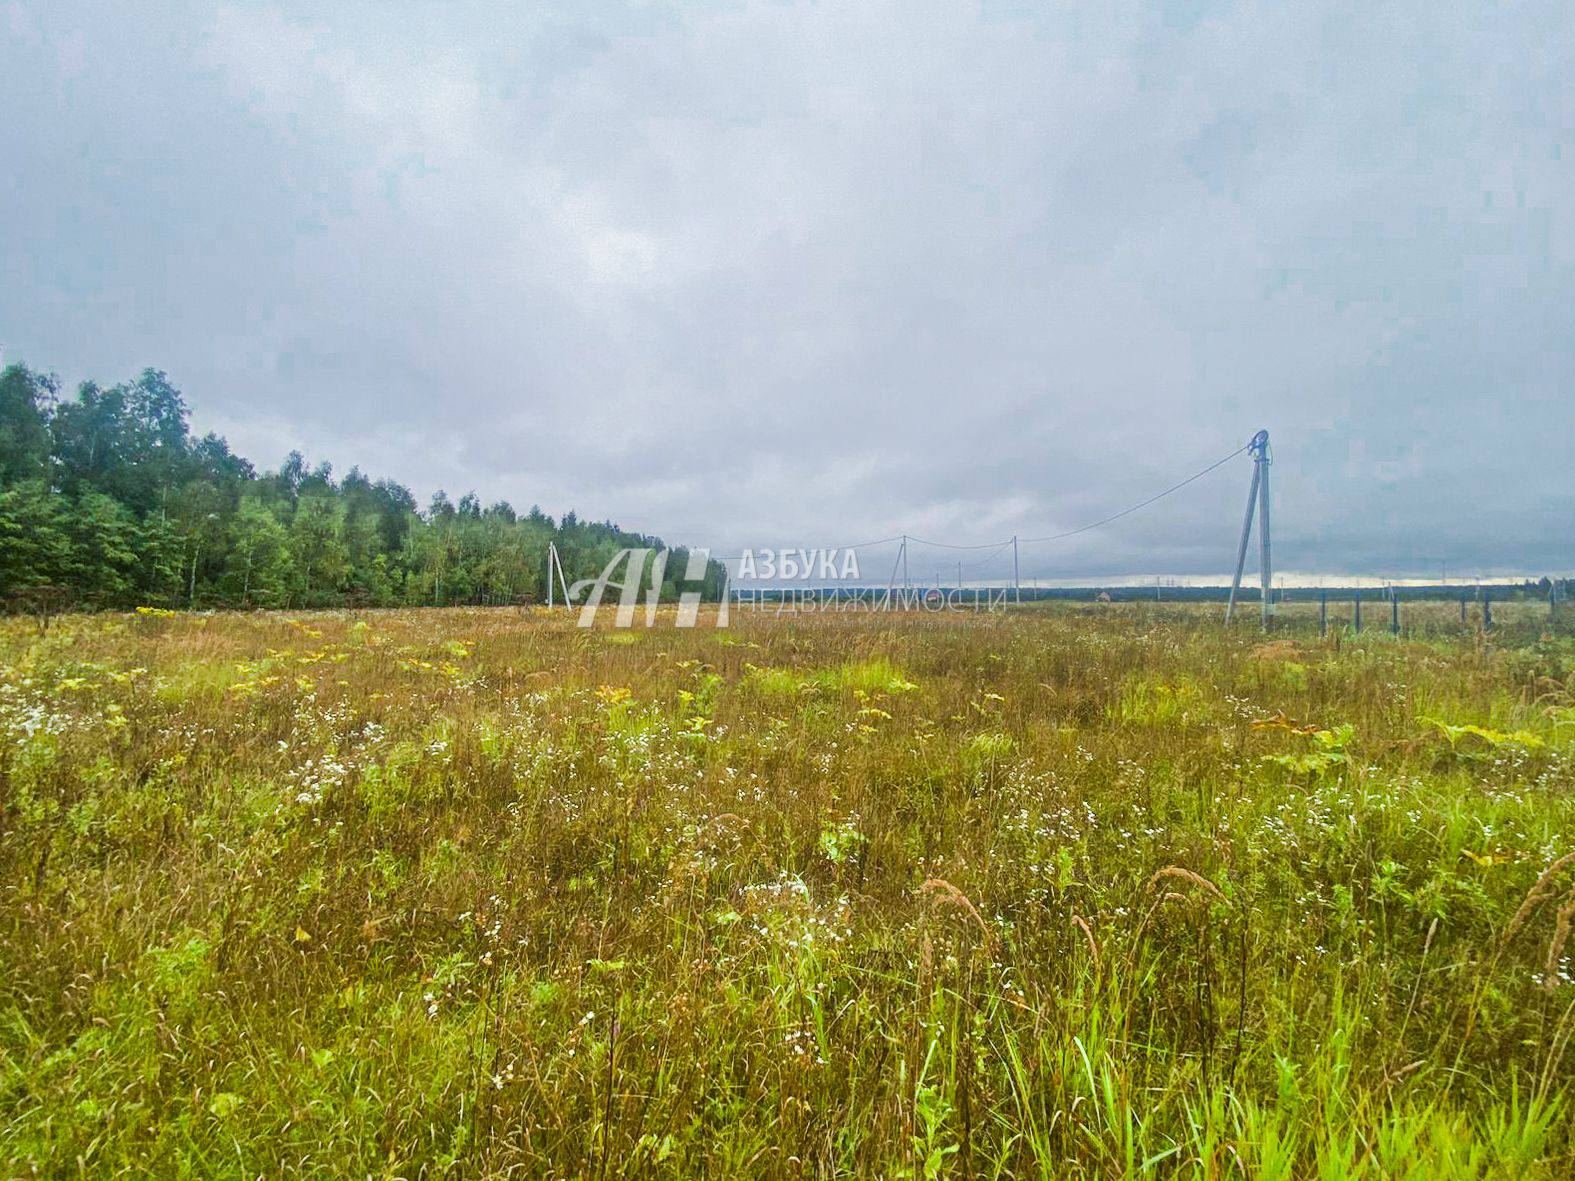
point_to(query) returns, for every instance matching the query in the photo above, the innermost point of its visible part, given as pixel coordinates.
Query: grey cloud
(781, 274)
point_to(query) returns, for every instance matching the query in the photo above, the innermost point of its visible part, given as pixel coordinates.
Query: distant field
(1082, 890)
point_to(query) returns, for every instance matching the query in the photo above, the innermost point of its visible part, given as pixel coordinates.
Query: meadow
(1072, 891)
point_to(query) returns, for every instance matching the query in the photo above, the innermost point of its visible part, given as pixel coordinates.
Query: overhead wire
(1142, 504)
(869, 544)
(990, 557)
(946, 545)
(998, 546)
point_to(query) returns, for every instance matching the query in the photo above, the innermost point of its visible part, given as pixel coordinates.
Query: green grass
(1070, 892)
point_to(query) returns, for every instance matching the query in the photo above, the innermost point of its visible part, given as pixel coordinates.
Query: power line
(945, 545)
(870, 544)
(990, 557)
(997, 546)
(1141, 504)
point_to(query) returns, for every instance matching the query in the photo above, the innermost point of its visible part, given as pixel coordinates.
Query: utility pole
(1257, 502)
(905, 562)
(554, 562)
(900, 561)
(1266, 567)
(1017, 582)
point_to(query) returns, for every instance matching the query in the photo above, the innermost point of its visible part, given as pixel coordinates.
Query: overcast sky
(780, 274)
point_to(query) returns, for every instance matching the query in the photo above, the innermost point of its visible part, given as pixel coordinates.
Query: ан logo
(634, 578)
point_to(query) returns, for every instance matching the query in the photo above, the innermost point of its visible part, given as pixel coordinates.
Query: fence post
(1487, 611)
(1394, 611)
(1356, 618)
(1462, 608)
(1323, 613)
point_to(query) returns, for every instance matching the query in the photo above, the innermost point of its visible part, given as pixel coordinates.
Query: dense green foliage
(108, 495)
(1060, 892)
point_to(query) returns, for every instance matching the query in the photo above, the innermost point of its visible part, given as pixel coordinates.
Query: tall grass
(1070, 892)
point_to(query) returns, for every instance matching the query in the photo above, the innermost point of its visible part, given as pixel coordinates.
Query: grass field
(1066, 892)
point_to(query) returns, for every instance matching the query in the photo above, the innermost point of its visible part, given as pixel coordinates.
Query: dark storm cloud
(785, 274)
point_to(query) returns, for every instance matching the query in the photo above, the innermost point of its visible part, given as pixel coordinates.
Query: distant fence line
(1475, 602)
(1554, 591)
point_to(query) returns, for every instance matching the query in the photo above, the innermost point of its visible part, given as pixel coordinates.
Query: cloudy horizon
(806, 275)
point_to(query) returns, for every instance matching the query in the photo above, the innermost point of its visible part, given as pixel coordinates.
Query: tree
(396, 510)
(257, 562)
(159, 561)
(105, 548)
(197, 512)
(128, 442)
(25, 399)
(322, 567)
(290, 476)
(369, 579)
(105, 496)
(35, 546)
(86, 433)
(213, 461)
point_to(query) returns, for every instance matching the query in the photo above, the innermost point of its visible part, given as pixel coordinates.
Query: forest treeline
(106, 495)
